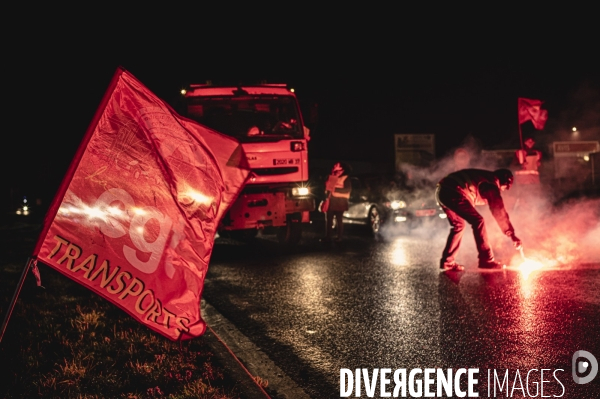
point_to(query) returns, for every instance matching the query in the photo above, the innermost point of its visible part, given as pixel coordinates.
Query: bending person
(457, 194)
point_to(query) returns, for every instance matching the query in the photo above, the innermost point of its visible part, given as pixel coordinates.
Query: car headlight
(396, 204)
(300, 191)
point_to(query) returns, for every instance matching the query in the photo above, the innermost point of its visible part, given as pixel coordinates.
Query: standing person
(527, 176)
(458, 193)
(529, 160)
(338, 188)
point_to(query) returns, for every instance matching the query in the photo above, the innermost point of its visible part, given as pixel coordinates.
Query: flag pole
(11, 306)
(521, 138)
(520, 131)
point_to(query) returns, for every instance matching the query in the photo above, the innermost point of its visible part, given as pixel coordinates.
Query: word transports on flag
(135, 217)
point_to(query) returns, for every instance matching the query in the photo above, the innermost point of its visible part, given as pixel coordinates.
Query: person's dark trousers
(459, 209)
(329, 224)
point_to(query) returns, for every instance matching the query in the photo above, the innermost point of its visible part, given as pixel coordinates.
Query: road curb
(245, 384)
(249, 360)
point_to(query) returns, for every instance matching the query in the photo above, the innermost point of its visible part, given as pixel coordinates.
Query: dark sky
(368, 83)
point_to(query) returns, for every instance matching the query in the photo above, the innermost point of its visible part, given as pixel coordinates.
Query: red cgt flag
(135, 217)
(531, 110)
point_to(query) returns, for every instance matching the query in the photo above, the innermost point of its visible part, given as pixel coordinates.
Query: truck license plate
(286, 161)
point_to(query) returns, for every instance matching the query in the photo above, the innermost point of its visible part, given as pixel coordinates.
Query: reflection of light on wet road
(309, 289)
(398, 253)
(307, 293)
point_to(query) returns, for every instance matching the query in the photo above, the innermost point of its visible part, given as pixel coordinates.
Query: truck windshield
(248, 118)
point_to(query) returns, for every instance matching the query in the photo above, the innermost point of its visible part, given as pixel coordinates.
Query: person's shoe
(451, 266)
(491, 264)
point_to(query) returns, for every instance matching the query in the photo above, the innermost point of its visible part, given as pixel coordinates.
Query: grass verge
(66, 342)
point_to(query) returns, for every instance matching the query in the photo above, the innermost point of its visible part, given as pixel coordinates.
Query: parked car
(424, 211)
(382, 205)
(374, 203)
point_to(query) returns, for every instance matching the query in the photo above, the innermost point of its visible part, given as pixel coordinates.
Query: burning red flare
(529, 265)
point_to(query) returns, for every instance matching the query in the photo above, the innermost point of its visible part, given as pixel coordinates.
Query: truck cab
(267, 121)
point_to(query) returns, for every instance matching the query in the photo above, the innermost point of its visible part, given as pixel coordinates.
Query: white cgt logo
(111, 225)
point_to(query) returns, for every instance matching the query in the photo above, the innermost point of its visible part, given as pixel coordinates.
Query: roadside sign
(574, 148)
(572, 160)
(414, 149)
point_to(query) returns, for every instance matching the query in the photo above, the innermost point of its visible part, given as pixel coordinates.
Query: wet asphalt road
(368, 303)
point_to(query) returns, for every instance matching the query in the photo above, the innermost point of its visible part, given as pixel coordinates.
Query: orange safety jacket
(335, 185)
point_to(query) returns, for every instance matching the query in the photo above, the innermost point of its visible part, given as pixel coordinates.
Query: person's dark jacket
(480, 187)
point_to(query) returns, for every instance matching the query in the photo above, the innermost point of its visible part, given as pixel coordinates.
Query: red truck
(267, 121)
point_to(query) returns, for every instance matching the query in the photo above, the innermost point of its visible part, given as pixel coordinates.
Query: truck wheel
(290, 234)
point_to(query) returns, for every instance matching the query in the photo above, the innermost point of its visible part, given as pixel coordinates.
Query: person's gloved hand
(516, 242)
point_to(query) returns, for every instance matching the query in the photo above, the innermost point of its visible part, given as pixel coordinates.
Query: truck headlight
(300, 191)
